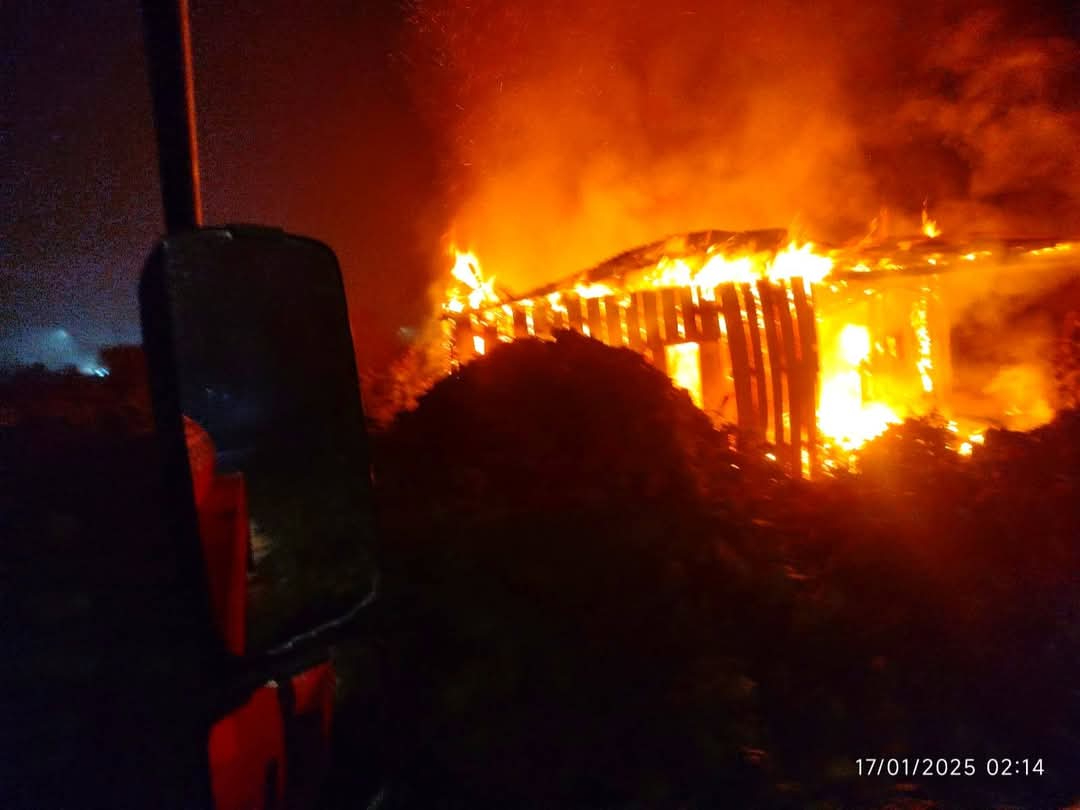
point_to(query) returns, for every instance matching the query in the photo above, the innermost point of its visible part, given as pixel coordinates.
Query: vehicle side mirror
(257, 397)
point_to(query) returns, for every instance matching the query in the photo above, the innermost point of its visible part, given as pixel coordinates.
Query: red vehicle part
(273, 751)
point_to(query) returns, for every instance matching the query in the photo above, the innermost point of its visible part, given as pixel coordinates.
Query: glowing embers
(845, 417)
(684, 368)
(965, 447)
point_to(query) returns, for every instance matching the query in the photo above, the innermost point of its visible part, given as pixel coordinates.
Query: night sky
(304, 123)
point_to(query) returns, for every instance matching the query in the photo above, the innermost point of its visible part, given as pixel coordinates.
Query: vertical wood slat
(654, 339)
(712, 375)
(804, 310)
(762, 410)
(612, 313)
(710, 321)
(521, 325)
(463, 338)
(574, 315)
(713, 386)
(767, 294)
(652, 319)
(690, 315)
(558, 318)
(542, 318)
(740, 366)
(794, 381)
(595, 318)
(671, 316)
(633, 322)
(491, 337)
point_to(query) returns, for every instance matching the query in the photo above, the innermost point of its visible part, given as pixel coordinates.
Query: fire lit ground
(811, 349)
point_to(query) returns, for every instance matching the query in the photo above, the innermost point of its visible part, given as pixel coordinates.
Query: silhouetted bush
(542, 425)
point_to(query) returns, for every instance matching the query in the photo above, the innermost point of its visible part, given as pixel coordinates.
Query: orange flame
(929, 227)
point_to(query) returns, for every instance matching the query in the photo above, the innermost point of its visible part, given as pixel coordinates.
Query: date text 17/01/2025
(949, 766)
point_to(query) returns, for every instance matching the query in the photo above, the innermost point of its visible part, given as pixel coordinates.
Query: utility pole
(172, 87)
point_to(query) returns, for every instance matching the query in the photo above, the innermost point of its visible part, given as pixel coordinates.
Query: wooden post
(558, 319)
(521, 325)
(633, 322)
(463, 338)
(710, 321)
(654, 339)
(612, 312)
(689, 315)
(491, 337)
(809, 370)
(542, 318)
(574, 315)
(794, 380)
(671, 316)
(762, 404)
(767, 292)
(740, 365)
(595, 318)
(712, 375)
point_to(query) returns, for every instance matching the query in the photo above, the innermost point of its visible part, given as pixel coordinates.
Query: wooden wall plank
(594, 318)
(671, 317)
(463, 338)
(713, 384)
(574, 315)
(767, 293)
(804, 311)
(709, 313)
(796, 396)
(690, 318)
(634, 322)
(542, 318)
(740, 364)
(521, 324)
(761, 407)
(613, 316)
(654, 338)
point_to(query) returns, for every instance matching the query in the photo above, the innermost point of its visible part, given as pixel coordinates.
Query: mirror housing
(247, 338)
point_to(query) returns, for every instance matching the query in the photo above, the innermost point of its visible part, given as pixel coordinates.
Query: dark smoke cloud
(576, 129)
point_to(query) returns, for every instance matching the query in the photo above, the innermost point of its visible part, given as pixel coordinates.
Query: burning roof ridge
(912, 255)
(672, 246)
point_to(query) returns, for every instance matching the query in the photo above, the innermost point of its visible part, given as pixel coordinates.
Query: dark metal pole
(172, 86)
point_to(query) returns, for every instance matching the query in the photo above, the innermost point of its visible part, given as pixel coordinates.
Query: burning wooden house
(811, 351)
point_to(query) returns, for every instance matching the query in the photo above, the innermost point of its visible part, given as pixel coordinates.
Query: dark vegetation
(98, 637)
(590, 600)
(588, 605)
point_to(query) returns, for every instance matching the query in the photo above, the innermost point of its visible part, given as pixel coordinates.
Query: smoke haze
(576, 130)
